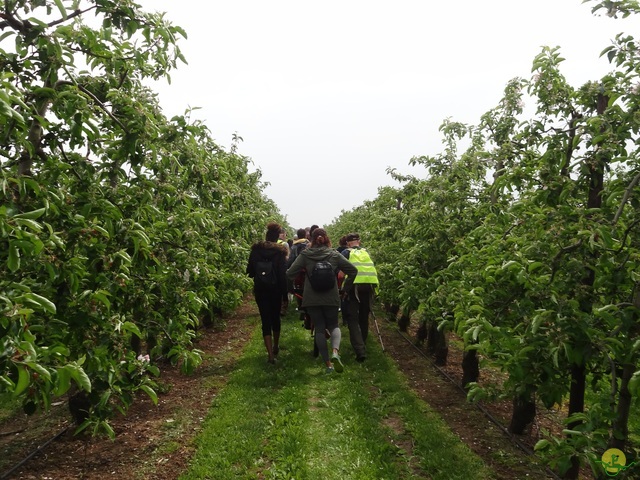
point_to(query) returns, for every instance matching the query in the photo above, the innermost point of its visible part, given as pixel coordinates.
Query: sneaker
(329, 370)
(337, 363)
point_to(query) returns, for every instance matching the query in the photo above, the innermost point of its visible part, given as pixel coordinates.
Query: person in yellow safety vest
(360, 298)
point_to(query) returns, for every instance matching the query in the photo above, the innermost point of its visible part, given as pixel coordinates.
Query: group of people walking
(278, 270)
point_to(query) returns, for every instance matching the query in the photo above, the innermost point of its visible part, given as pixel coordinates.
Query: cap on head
(353, 236)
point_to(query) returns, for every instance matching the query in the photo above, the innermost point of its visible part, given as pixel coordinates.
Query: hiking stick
(375, 322)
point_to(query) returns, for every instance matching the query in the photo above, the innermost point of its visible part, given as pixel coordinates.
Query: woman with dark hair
(322, 306)
(267, 266)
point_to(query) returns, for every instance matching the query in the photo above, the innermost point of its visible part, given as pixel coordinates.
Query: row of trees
(121, 231)
(523, 238)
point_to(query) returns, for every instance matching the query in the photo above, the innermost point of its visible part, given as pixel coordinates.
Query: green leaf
(27, 222)
(131, 328)
(13, 262)
(104, 398)
(32, 215)
(108, 429)
(40, 369)
(23, 380)
(101, 295)
(541, 445)
(63, 381)
(101, 230)
(81, 378)
(42, 302)
(476, 333)
(535, 325)
(151, 392)
(534, 266)
(63, 11)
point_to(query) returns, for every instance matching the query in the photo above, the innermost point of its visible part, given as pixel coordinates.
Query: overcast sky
(328, 95)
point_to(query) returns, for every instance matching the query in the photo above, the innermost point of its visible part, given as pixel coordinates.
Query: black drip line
(8, 473)
(480, 407)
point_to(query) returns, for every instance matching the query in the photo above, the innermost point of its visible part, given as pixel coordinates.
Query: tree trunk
(79, 405)
(596, 167)
(620, 433)
(523, 414)
(470, 368)
(405, 320)
(392, 311)
(430, 338)
(135, 344)
(437, 344)
(576, 405)
(620, 426)
(422, 334)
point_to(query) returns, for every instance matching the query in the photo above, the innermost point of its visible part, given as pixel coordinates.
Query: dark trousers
(359, 306)
(269, 307)
(344, 309)
(325, 318)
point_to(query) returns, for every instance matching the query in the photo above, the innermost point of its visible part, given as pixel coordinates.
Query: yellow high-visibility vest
(366, 269)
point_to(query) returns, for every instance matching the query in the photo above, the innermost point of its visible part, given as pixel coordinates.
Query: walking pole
(377, 328)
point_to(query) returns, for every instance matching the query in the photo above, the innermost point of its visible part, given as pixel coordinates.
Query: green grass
(9, 405)
(292, 421)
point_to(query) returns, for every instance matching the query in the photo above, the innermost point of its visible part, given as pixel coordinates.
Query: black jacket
(277, 254)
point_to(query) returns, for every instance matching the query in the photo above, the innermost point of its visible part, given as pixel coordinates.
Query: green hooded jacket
(306, 260)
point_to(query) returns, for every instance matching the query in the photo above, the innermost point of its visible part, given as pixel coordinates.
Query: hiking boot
(337, 363)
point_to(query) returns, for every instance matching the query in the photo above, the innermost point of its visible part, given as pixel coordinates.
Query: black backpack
(265, 273)
(296, 250)
(322, 278)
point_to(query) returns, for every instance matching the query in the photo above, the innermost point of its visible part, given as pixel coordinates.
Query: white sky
(328, 95)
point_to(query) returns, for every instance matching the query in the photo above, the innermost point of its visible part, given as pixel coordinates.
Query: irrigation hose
(7, 474)
(494, 420)
(480, 407)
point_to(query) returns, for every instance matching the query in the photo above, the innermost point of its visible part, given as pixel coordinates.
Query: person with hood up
(323, 306)
(267, 266)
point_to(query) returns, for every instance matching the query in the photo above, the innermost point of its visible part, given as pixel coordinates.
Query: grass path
(293, 421)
